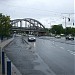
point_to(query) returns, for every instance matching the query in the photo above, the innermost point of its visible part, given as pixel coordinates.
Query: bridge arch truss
(27, 25)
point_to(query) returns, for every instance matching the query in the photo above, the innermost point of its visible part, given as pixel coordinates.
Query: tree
(57, 29)
(5, 26)
(73, 31)
(70, 30)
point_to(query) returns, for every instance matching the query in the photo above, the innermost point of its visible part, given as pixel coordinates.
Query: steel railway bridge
(28, 26)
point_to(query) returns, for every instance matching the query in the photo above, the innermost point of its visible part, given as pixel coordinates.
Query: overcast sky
(46, 11)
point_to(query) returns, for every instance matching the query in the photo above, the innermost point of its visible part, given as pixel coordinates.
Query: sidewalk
(14, 70)
(3, 44)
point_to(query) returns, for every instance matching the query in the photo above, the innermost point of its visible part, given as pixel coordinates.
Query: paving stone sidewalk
(14, 70)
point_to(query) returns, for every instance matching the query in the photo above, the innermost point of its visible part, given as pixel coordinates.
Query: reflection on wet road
(60, 57)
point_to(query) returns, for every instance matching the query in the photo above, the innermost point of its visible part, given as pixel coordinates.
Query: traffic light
(73, 23)
(69, 19)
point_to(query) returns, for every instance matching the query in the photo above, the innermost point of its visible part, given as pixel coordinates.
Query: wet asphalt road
(24, 56)
(58, 54)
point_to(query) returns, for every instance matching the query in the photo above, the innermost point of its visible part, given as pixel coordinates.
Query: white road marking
(68, 50)
(73, 53)
(53, 43)
(56, 45)
(62, 47)
(51, 46)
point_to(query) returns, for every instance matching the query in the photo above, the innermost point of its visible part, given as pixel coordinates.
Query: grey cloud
(38, 9)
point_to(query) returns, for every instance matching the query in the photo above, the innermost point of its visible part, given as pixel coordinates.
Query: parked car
(31, 38)
(69, 38)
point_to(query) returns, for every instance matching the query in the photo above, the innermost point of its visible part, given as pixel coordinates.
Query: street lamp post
(65, 27)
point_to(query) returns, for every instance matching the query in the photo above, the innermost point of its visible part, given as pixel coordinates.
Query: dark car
(31, 38)
(69, 38)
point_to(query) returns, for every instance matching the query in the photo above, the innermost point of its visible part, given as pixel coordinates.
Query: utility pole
(65, 26)
(65, 21)
(68, 19)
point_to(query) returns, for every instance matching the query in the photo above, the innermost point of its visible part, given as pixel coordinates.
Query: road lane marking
(62, 47)
(53, 43)
(74, 52)
(51, 46)
(68, 50)
(56, 45)
(71, 52)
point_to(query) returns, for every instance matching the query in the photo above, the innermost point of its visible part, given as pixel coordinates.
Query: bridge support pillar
(20, 23)
(25, 24)
(17, 24)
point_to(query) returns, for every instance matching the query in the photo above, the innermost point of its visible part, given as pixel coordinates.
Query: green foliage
(57, 29)
(5, 26)
(70, 30)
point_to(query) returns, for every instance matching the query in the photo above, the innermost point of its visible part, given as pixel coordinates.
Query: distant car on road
(31, 38)
(69, 38)
(57, 36)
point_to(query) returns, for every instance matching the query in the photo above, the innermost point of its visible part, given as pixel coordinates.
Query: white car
(31, 38)
(57, 36)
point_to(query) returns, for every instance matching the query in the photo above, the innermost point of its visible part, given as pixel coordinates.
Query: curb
(14, 70)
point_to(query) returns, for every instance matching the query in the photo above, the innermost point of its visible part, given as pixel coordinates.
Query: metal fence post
(8, 67)
(3, 63)
(0, 55)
